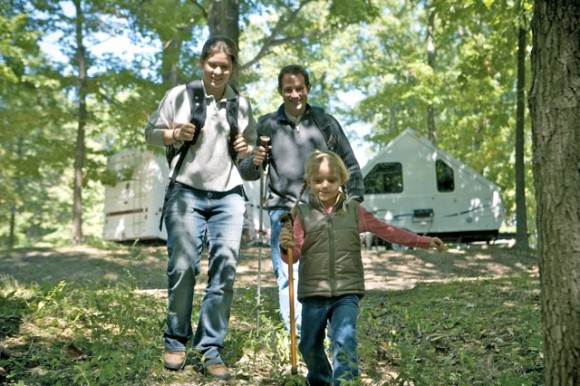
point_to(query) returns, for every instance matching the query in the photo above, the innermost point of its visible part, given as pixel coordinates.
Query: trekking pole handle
(266, 143)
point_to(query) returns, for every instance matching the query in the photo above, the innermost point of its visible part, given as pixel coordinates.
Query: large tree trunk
(555, 111)
(77, 228)
(224, 18)
(521, 216)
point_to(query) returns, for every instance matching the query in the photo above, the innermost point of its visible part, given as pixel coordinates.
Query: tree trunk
(555, 112)
(18, 184)
(224, 18)
(431, 55)
(77, 231)
(12, 226)
(170, 69)
(521, 216)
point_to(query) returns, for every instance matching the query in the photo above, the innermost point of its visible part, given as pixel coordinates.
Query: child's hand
(438, 244)
(287, 234)
(286, 238)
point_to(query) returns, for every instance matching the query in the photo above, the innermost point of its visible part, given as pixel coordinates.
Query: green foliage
(102, 335)
(367, 60)
(17, 47)
(352, 12)
(470, 85)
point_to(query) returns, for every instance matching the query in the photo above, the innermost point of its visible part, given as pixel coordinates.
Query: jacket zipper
(331, 255)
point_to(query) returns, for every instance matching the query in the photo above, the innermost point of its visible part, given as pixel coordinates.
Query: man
(296, 129)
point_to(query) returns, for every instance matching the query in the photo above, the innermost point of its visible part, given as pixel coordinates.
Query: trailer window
(445, 179)
(384, 178)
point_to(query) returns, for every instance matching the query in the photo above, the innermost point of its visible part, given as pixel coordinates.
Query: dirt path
(390, 270)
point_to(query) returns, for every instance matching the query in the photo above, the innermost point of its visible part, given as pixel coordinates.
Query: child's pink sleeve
(367, 222)
(298, 238)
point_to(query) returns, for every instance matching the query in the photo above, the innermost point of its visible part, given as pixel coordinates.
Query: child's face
(325, 184)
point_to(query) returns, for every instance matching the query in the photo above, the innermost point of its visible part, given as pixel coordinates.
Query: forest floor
(386, 271)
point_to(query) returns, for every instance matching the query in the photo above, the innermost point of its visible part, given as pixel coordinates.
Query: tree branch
(266, 48)
(273, 41)
(201, 9)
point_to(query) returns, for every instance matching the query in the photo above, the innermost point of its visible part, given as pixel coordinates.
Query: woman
(205, 207)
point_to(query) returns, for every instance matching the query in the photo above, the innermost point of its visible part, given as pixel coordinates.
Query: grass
(484, 332)
(464, 332)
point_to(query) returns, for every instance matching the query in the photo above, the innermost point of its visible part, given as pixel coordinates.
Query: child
(325, 237)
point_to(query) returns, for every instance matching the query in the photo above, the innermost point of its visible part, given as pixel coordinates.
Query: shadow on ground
(146, 264)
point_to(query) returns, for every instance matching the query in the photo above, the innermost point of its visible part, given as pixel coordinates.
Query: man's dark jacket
(291, 146)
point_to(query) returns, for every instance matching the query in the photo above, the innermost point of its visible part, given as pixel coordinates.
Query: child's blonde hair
(312, 165)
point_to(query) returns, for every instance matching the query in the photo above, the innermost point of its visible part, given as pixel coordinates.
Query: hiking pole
(265, 142)
(293, 370)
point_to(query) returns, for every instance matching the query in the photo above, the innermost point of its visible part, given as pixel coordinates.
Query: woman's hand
(183, 132)
(241, 147)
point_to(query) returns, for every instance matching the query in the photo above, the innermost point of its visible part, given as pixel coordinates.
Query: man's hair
(294, 69)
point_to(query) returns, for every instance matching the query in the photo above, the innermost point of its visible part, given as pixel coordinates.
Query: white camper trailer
(133, 205)
(416, 186)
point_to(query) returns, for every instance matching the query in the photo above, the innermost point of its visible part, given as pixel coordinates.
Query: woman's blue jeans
(193, 219)
(281, 272)
(341, 314)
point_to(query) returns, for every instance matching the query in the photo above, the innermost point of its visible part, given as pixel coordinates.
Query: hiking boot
(174, 360)
(218, 370)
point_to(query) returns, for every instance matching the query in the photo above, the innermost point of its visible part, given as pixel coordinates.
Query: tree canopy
(446, 69)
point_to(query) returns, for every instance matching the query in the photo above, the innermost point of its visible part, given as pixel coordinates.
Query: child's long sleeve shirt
(367, 223)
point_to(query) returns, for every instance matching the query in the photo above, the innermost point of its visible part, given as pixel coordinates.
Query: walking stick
(265, 142)
(260, 230)
(294, 370)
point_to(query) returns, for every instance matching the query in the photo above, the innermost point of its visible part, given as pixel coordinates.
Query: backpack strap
(194, 90)
(232, 118)
(196, 96)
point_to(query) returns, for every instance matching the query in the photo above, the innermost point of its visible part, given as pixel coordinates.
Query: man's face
(295, 94)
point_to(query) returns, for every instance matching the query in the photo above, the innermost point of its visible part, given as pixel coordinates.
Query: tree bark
(224, 19)
(555, 112)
